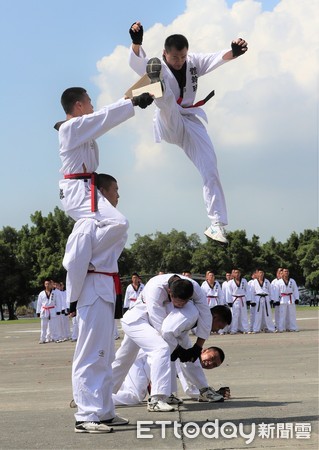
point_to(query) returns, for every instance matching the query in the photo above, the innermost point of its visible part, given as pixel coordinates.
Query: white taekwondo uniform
(142, 326)
(237, 296)
(276, 295)
(100, 248)
(180, 124)
(289, 293)
(131, 295)
(214, 294)
(48, 306)
(261, 294)
(79, 154)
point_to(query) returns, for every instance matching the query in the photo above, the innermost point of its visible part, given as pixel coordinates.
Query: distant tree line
(35, 252)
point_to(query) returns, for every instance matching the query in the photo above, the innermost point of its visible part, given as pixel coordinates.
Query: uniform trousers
(92, 362)
(239, 317)
(49, 329)
(140, 334)
(175, 330)
(188, 132)
(263, 315)
(134, 388)
(287, 318)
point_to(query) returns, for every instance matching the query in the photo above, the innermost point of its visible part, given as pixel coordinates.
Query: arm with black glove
(136, 32)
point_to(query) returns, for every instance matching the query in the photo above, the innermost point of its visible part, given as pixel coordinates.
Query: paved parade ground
(273, 380)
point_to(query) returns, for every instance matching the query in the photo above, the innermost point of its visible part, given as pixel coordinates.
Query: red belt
(116, 279)
(287, 295)
(84, 176)
(48, 307)
(200, 103)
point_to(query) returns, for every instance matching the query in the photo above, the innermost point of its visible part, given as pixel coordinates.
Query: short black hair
(177, 41)
(220, 352)
(223, 312)
(104, 180)
(181, 288)
(70, 96)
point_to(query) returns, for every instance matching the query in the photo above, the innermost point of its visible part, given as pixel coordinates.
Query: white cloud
(262, 119)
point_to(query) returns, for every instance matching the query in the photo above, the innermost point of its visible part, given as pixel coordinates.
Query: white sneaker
(209, 395)
(159, 406)
(216, 232)
(173, 400)
(92, 427)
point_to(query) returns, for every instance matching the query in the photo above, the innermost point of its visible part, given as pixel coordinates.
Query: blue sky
(262, 121)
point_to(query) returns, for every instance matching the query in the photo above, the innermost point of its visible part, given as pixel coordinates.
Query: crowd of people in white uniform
(271, 305)
(53, 309)
(257, 305)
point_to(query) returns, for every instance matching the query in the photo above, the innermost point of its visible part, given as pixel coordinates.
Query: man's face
(217, 323)
(285, 274)
(210, 359)
(178, 302)
(86, 104)
(210, 278)
(236, 274)
(176, 58)
(111, 194)
(47, 285)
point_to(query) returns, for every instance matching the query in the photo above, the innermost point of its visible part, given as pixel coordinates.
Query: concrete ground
(273, 380)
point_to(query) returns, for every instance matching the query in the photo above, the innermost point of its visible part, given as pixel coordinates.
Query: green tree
(12, 273)
(308, 257)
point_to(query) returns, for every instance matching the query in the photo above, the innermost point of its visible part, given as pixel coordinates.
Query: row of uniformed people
(260, 295)
(53, 310)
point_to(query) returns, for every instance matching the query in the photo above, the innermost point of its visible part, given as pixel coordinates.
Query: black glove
(177, 353)
(136, 36)
(143, 100)
(277, 303)
(73, 307)
(38, 314)
(252, 304)
(238, 49)
(296, 302)
(58, 313)
(191, 354)
(230, 305)
(224, 391)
